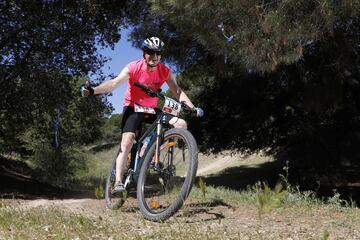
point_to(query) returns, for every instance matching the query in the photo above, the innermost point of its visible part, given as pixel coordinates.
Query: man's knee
(178, 122)
(127, 141)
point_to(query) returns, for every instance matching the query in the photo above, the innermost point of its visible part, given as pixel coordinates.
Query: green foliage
(83, 117)
(92, 222)
(326, 235)
(290, 76)
(285, 178)
(47, 50)
(269, 199)
(55, 166)
(336, 200)
(99, 192)
(80, 122)
(111, 130)
(49, 223)
(43, 46)
(202, 186)
(265, 34)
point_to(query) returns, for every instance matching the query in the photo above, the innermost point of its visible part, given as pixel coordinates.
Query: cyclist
(150, 72)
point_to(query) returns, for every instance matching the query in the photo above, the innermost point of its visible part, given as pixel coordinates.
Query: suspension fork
(170, 155)
(159, 130)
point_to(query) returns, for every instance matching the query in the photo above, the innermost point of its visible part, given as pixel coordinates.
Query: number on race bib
(171, 106)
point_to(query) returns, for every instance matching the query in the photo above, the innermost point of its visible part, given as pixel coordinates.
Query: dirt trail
(210, 164)
(207, 165)
(235, 222)
(240, 222)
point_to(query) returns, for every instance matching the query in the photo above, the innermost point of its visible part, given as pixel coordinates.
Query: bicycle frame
(155, 132)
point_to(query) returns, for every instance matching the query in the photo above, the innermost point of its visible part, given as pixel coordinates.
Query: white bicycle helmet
(153, 43)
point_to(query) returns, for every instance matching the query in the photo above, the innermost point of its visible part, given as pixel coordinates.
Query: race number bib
(171, 106)
(139, 108)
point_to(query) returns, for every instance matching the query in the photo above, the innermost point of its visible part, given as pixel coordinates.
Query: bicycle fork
(158, 141)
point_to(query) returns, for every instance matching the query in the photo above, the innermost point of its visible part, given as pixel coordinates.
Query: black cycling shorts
(132, 120)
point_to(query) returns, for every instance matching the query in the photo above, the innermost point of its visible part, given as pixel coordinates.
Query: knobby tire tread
(177, 204)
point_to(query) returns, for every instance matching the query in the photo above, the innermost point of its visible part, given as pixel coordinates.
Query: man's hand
(199, 112)
(86, 89)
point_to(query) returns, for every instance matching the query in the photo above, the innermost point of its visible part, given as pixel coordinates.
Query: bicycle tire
(113, 201)
(177, 203)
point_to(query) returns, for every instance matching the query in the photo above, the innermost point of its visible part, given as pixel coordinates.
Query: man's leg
(129, 125)
(127, 142)
(178, 122)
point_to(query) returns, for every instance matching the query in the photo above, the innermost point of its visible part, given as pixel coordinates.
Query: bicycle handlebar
(153, 93)
(149, 91)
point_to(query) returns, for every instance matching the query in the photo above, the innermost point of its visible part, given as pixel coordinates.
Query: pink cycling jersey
(154, 80)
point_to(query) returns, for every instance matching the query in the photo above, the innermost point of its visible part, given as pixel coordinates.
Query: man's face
(152, 58)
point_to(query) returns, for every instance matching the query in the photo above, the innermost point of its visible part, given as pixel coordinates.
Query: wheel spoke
(163, 192)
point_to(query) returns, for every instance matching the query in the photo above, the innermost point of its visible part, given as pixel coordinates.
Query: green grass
(54, 223)
(259, 194)
(50, 223)
(209, 213)
(194, 221)
(97, 164)
(95, 172)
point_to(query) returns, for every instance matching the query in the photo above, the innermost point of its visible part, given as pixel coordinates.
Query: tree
(111, 130)
(43, 46)
(53, 141)
(270, 74)
(47, 50)
(259, 35)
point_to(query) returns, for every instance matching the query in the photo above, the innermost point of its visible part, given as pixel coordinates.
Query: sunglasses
(152, 52)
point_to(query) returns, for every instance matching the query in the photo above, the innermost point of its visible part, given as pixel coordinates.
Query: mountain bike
(165, 172)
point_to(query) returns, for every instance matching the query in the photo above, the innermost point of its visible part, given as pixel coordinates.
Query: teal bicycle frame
(155, 133)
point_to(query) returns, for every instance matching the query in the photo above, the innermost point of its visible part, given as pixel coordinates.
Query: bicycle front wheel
(116, 200)
(162, 191)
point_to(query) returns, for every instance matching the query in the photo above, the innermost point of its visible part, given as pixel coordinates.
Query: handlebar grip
(187, 108)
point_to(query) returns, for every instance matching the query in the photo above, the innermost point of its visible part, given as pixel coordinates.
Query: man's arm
(110, 85)
(177, 91)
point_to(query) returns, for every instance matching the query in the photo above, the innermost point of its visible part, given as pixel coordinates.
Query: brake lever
(183, 103)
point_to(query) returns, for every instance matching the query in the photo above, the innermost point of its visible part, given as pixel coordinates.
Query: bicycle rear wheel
(113, 201)
(162, 193)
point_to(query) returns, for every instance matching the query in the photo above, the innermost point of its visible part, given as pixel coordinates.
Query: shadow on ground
(238, 178)
(15, 182)
(344, 180)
